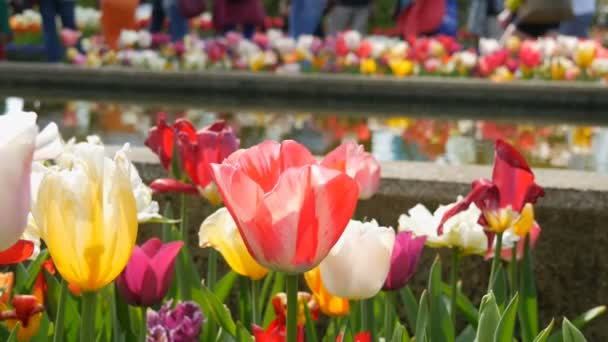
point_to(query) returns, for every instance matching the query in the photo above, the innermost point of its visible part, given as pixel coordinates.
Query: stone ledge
(324, 93)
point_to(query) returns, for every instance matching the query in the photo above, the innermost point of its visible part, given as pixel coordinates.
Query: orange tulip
(330, 305)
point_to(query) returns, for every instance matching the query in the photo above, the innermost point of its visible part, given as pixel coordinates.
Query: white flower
(600, 66)
(467, 59)
(304, 43)
(566, 45)
(399, 49)
(127, 38)
(352, 39)
(488, 46)
(284, 45)
(357, 265)
(144, 39)
(461, 230)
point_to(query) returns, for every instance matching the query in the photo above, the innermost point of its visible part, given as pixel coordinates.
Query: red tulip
(148, 275)
(505, 200)
(352, 159)
(404, 260)
(196, 149)
(276, 331)
(290, 210)
(506, 253)
(17, 253)
(360, 337)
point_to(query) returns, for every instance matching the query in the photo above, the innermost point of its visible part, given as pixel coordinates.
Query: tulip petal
(404, 260)
(17, 253)
(484, 195)
(330, 305)
(513, 177)
(151, 247)
(164, 266)
(160, 140)
(48, 143)
(166, 185)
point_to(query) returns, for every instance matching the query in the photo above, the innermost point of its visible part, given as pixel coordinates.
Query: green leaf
(279, 286)
(346, 331)
(506, 325)
(423, 316)
(224, 286)
(311, 331)
(544, 335)
(410, 305)
(400, 334)
(489, 316)
(21, 277)
(242, 334)
(213, 308)
(162, 220)
(244, 301)
(441, 327)
(464, 305)
(34, 269)
(13, 336)
(72, 305)
(121, 317)
(571, 333)
(581, 321)
(467, 335)
(265, 289)
(500, 287)
(528, 308)
(43, 333)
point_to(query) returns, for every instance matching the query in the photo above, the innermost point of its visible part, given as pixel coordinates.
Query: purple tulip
(148, 275)
(404, 260)
(181, 324)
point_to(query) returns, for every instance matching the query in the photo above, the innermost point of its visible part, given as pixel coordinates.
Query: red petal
(513, 177)
(363, 337)
(25, 307)
(160, 140)
(164, 185)
(484, 195)
(17, 253)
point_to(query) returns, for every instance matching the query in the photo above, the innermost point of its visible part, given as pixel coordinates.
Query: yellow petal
(220, 232)
(330, 305)
(526, 219)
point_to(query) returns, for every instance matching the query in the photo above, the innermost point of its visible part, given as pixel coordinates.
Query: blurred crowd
(499, 19)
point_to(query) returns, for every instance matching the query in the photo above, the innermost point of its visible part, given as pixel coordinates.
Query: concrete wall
(571, 256)
(348, 94)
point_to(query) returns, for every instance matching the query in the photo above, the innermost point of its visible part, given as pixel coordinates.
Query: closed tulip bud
(219, 231)
(358, 264)
(404, 260)
(352, 159)
(148, 275)
(87, 216)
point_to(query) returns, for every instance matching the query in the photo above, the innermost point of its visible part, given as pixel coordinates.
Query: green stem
(254, 300)
(513, 270)
(388, 317)
(211, 268)
(143, 324)
(292, 307)
(454, 279)
(367, 317)
(87, 325)
(496, 259)
(183, 223)
(59, 325)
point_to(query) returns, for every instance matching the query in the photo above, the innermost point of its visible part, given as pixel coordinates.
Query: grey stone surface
(323, 93)
(571, 257)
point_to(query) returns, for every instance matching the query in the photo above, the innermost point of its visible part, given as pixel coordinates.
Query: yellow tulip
(220, 232)
(368, 66)
(585, 53)
(87, 216)
(401, 68)
(330, 305)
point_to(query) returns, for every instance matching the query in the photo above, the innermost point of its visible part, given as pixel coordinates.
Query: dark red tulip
(148, 275)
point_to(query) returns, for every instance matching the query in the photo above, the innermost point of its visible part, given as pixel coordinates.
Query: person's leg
(66, 11)
(158, 16)
(577, 26)
(177, 23)
(360, 19)
(338, 20)
(48, 11)
(304, 16)
(248, 31)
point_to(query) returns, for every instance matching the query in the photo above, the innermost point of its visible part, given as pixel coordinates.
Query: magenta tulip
(404, 260)
(148, 275)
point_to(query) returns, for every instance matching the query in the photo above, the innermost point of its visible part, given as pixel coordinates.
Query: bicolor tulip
(220, 232)
(352, 159)
(27, 311)
(511, 241)
(87, 216)
(506, 200)
(330, 305)
(196, 151)
(180, 324)
(460, 231)
(358, 264)
(290, 211)
(17, 144)
(404, 260)
(148, 275)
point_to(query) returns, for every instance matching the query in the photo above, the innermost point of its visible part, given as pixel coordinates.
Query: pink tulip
(148, 275)
(290, 210)
(404, 260)
(69, 37)
(352, 159)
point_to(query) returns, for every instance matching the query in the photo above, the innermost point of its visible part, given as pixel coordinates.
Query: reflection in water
(398, 138)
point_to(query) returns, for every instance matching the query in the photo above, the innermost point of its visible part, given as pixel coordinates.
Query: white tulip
(460, 231)
(358, 264)
(17, 144)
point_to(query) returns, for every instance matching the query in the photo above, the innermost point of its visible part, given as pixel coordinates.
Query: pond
(445, 140)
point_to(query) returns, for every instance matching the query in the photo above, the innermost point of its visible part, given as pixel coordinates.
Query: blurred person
(420, 17)
(534, 18)
(178, 24)
(349, 14)
(49, 9)
(117, 15)
(5, 29)
(584, 12)
(231, 15)
(305, 16)
(449, 24)
(482, 20)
